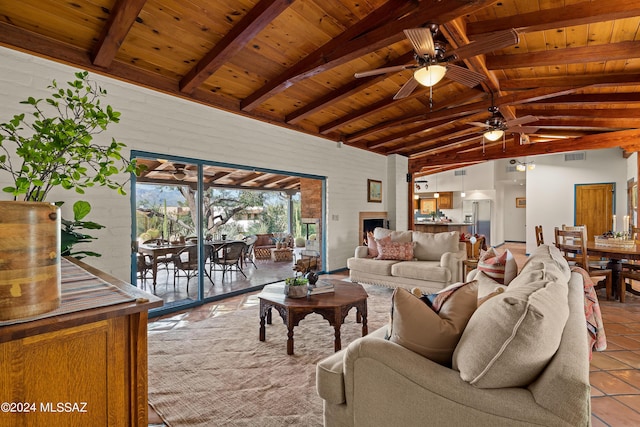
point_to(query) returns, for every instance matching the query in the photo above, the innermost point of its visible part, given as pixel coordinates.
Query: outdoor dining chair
(185, 264)
(229, 256)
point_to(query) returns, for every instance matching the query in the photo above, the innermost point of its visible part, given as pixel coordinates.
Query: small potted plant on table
(296, 287)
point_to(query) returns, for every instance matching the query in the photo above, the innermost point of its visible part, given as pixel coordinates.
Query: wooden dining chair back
(185, 264)
(573, 247)
(539, 236)
(635, 233)
(229, 256)
(475, 248)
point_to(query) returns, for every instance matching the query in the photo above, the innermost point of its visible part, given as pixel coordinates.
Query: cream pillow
(512, 336)
(416, 326)
(431, 246)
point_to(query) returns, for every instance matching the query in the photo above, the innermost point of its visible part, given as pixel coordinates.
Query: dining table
(157, 250)
(615, 254)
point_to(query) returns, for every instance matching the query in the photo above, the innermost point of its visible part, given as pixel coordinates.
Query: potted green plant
(296, 287)
(51, 147)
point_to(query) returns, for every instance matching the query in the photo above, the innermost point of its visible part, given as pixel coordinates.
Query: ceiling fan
(179, 171)
(433, 62)
(496, 125)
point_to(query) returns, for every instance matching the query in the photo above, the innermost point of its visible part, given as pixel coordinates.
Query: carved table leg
(337, 323)
(290, 340)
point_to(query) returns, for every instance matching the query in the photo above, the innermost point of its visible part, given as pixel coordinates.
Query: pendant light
(436, 194)
(462, 174)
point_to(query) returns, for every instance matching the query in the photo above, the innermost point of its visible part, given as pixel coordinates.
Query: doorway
(594, 208)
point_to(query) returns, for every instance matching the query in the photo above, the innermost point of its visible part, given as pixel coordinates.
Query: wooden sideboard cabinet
(82, 368)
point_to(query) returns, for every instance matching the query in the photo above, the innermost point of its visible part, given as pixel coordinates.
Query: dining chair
(249, 256)
(594, 263)
(186, 262)
(163, 260)
(229, 256)
(539, 236)
(143, 266)
(573, 246)
(630, 269)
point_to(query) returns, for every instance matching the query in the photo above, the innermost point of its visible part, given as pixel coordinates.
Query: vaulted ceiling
(570, 76)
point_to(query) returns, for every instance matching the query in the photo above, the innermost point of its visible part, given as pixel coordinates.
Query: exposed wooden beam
(336, 95)
(580, 112)
(597, 80)
(321, 59)
(259, 17)
(589, 142)
(467, 96)
(586, 12)
(383, 104)
(593, 98)
(121, 17)
(356, 41)
(572, 55)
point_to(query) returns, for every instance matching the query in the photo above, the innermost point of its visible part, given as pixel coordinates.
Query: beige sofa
(437, 263)
(375, 382)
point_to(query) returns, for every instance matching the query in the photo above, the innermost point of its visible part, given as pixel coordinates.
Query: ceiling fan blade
(486, 44)
(406, 89)
(479, 124)
(383, 71)
(522, 129)
(521, 121)
(464, 76)
(421, 40)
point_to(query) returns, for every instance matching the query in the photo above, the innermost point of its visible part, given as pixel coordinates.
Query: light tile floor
(614, 376)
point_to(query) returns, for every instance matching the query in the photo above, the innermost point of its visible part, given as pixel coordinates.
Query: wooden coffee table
(333, 306)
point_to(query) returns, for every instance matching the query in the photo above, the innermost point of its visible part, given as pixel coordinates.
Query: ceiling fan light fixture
(493, 134)
(429, 75)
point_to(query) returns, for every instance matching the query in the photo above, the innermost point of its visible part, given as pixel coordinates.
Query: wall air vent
(511, 168)
(570, 157)
(460, 172)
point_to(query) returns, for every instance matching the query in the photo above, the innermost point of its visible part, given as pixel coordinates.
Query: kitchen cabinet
(446, 200)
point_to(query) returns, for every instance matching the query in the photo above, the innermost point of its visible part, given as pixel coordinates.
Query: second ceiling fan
(433, 62)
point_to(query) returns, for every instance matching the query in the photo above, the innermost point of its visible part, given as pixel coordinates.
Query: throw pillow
(416, 326)
(513, 336)
(372, 245)
(431, 246)
(395, 251)
(500, 267)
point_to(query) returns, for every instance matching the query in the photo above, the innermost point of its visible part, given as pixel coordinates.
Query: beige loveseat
(437, 263)
(375, 382)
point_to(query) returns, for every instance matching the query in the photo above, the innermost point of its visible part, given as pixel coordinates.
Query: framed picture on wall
(521, 202)
(374, 191)
(427, 206)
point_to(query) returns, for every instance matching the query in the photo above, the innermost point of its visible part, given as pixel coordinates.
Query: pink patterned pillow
(372, 243)
(396, 251)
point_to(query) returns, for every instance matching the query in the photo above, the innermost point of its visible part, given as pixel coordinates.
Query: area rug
(217, 373)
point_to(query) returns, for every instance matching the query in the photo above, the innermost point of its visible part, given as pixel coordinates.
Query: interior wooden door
(594, 207)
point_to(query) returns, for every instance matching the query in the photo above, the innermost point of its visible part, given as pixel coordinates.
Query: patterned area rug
(217, 373)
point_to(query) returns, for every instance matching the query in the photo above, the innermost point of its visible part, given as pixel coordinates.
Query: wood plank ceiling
(575, 68)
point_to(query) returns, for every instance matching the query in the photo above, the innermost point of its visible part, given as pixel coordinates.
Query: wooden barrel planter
(29, 259)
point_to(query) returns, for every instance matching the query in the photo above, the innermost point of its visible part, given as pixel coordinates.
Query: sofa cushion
(500, 267)
(512, 336)
(416, 326)
(486, 284)
(372, 244)
(396, 236)
(421, 270)
(395, 250)
(431, 246)
(372, 266)
(550, 257)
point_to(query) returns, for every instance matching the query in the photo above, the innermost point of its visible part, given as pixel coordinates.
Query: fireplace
(369, 221)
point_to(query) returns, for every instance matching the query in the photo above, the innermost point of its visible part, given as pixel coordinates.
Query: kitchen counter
(439, 227)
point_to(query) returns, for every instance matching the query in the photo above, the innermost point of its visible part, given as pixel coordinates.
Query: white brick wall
(159, 123)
